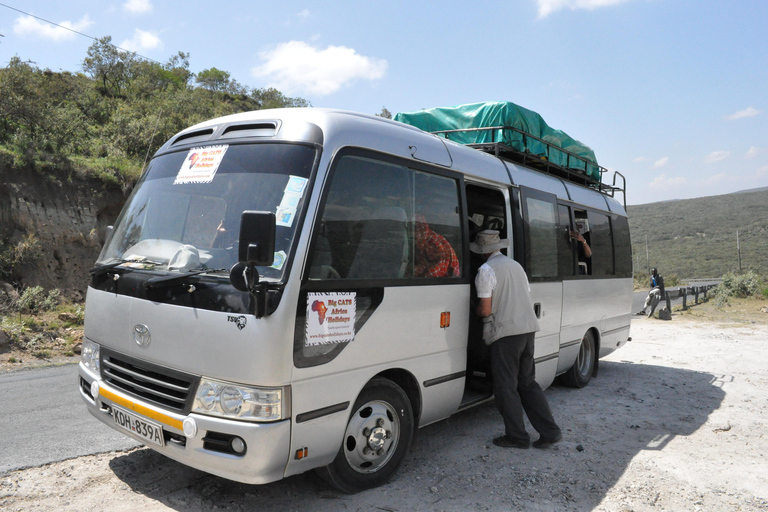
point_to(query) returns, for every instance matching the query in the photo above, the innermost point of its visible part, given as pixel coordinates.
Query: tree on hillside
(272, 98)
(112, 68)
(386, 114)
(216, 80)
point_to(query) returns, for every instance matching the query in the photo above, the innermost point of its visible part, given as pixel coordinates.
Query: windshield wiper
(102, 269)
(157, 282)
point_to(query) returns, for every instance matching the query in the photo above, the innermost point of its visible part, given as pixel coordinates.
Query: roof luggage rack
(543, 163)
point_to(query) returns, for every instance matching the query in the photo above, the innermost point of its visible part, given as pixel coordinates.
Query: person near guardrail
(655, 294)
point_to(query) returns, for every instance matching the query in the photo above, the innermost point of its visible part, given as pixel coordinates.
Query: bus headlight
(217, 398)
(89, 356)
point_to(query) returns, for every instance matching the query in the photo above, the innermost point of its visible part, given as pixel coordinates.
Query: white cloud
(661, 162)
(138, 6)
(763, 171)
(303, 14)
(747, 112)
(639, 159)
(27, 25)
(717, 156)
(665, 183)
(547, 7)
(298, 68)
(752, 152)
(142, 40)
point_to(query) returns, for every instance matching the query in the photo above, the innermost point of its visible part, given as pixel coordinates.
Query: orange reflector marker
(301, 453)
(445, 319)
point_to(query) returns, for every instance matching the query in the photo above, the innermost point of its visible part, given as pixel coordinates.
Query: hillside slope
(696, 238)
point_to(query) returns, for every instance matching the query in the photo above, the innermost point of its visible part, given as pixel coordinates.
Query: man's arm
(484, 307)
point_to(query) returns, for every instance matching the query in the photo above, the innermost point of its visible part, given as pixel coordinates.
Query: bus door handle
(537, 309)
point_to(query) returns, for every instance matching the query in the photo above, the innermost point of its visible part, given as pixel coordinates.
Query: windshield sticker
(279, 260)
(200, 165)
(284, 216)
(294, 191)
(330, 318)
(296, 185)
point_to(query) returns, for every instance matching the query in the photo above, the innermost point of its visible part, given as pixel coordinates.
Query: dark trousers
(516, 389)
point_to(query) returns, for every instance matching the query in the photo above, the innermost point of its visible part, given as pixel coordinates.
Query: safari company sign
(330, 318)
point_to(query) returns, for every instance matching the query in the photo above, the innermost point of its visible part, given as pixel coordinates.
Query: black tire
(581, 372)
(376, 440)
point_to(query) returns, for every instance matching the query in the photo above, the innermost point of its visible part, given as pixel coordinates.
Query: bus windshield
(184, 213)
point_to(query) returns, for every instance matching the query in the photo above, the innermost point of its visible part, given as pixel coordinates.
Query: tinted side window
(541, 223)
(601, 243)
(623, 246)
(566, 260)
(385, 221)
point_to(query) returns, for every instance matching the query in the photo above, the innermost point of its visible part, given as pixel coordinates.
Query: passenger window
(542, 237)
(583, 249)
(602, 244)
(566, 248)
(437, 230)
(386, 221)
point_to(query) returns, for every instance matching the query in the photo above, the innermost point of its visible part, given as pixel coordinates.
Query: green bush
(27, 250)
(14, 330)
(741, 285)
(35, 299)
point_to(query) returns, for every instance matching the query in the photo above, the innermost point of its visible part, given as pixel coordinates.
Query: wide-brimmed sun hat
(488, 241)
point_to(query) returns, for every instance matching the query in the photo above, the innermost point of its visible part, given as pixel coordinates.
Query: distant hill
(696, 238)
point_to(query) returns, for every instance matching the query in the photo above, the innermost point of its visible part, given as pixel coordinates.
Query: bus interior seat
(383, 248)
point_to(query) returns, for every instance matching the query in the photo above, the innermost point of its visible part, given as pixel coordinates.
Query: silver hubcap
(371, 437)
(584, 359)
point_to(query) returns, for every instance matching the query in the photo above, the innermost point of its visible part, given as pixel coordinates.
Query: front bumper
(267, 444)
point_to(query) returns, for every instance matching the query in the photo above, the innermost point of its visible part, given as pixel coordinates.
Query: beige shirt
(505, 282)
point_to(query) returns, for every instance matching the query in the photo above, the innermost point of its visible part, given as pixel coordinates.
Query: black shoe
(506, 442)
(640, 313)
(546, 442)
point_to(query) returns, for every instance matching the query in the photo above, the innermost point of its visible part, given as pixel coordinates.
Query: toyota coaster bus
(276, 297)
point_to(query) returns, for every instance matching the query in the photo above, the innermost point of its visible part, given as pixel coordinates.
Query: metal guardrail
(686, 291)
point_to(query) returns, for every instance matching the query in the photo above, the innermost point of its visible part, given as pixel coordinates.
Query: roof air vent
(198, 136)
(268, 129)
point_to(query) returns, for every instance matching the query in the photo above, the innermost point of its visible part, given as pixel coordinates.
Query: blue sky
(671, 93)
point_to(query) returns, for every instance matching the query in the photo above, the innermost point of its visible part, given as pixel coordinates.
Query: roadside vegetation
(105, 120)
(39, 328)
(697, 238)
(740, 299)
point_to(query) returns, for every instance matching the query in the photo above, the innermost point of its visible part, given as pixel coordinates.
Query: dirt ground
(675, 421)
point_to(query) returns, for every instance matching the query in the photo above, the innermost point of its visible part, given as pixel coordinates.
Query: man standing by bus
(509, 327)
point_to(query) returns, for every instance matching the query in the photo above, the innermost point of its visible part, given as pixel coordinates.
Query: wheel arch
(409, 385)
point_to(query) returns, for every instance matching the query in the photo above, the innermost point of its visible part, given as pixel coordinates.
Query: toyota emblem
(141, 335)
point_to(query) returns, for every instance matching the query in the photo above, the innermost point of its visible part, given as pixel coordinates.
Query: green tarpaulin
(505, 113)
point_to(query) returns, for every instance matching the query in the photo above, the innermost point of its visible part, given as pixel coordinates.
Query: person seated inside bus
(584, 250)
(434, 256)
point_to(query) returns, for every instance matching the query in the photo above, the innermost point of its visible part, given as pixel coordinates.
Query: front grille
(162, 386)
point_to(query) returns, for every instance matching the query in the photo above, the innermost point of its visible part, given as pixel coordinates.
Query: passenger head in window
(583, 248)
(434, 256)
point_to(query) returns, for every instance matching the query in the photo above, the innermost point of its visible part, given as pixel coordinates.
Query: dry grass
(749, 311)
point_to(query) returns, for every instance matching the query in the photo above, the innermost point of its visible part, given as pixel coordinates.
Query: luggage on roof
(514, 124)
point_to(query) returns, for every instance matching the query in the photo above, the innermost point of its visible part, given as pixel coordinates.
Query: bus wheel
(377, 437)
(580, 373)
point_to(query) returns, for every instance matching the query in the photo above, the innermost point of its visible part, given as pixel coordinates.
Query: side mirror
(256, 248)
(257, 238)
